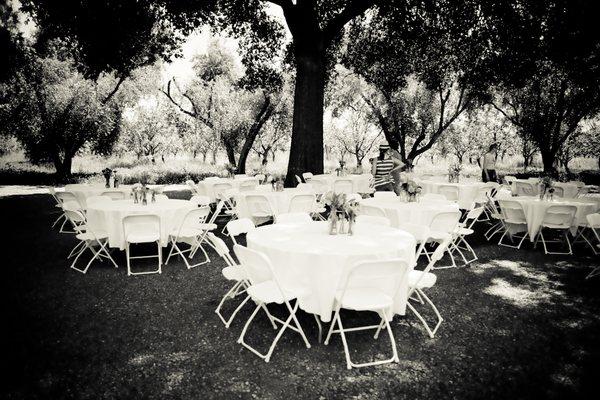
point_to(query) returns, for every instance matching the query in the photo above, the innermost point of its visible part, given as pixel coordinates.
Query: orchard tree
(55, 112)
(583, 143)
(546, 67)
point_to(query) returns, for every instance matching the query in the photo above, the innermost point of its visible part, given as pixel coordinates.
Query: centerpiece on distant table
(454, 172)
(546, 184)
(341, 171)
(342, 213)
(277, 182)
(107, 172)
(230, 168)
(412, 189)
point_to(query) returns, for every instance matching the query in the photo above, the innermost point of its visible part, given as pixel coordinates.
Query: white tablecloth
(308, 259)
(535, 209)
(280, 201)
(83, 191)
(467, 191)
(360, 183)
(570, 189)
(208, 185)
(108, 217)
(416, 213)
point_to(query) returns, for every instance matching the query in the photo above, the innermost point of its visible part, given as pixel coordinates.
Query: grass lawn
(518, 324)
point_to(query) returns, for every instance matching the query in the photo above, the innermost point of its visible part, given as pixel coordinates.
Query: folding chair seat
(557, 218)
(114, 194)
(143, 228)
(265, 289)
(192, 231)
(369, 286)
(239, 227)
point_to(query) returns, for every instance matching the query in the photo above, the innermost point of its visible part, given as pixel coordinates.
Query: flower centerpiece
(136, 192)
(230, 168)
(116, 179)
(546, 184)
(107, 172)
(341, 210)
(411, 188)
(454, 172)
(341, 171)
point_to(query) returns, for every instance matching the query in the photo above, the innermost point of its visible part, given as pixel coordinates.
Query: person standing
(383, 168)
(488, 165)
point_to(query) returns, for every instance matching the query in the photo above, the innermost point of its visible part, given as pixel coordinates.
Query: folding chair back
(372, 210)
(192, 186)
(200, 201)
(220, 189)
(258, 205)
(307, 176)
(222, 250)
(260, 178)
(426, 177)
(559, 216)
(140, 225)
(559, 191)
(449, 192)
(257, 266)
(114, 194)
(524, 189)
(194, 218)
(472, 217)
(319, 186)
(298, 179)
(248, 186)
(594, 223)
(294, 218)
(385, 195)
(67, 197)
(353, 197)
(77, 219)
(364, 184)
(420, 232)
(445, 221)
(305, 202)
(343, 186)
(97, 200)
(509, 179)
(239, 226)
(373, 220)
(381, 276)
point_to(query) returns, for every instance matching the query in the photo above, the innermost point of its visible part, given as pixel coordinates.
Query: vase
(542, 194)
(153, 199)
(333, 220)
(107, 178)
(341, 228)
(136, 199)
(144, 198)
(412, 198)
(116, 183)
(351, 222)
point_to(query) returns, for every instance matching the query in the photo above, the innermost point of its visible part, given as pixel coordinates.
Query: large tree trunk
(63, 168)
(229, 149)
(306, 150)
(548, 158)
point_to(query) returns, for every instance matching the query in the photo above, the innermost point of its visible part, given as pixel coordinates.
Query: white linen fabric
(535, 209)
(82, 191)
(312, 263)
(570, 188)
(209, 183)
(416, 213)
(467, 191)
(359, 182)
(280, 201)
(108, 217)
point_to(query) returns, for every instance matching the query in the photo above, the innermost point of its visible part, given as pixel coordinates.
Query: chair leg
(238, 308)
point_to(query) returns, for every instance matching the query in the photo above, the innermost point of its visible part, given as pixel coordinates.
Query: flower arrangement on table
(341, 171)
(107, 172)
(412, 189)
(276, 181)
(140, 190)
(546, 184)
(231, 169)
(454, 172)
(341, 210)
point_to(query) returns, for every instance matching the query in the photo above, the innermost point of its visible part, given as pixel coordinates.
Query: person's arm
(397, 165)
(374, 166)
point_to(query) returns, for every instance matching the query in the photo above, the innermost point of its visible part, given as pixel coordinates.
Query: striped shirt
(382, 170)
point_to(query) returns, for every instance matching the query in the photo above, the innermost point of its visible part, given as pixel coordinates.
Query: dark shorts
(491, 173)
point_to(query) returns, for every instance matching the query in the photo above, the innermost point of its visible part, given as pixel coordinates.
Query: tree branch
(352, 10)
(114, 91)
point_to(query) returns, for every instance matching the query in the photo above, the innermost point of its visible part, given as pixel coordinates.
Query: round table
(82, 191)
(570, 189)
(416, 212)
(360, 183)
(467, 191)
(279, 201)
(534, 210)
(209, 184)
(308, 260)
(108, 217)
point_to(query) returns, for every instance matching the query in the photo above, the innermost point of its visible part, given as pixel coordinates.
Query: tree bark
(306, 150)
(230, 150)
(548, 158)
(261, 118)
(63, 167)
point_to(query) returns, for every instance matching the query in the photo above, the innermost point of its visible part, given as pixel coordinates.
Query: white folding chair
(364, 185)
(374, 211)
(372, 220)
(557, 218)
(238, 227)
(114, 194)
(143, 228)
(420, 280)
(221, 193)
(192, 186)
(385, 195)
(298, 179)
(514, 222)
(559, 191)
(463, 230)
(307, 187)
(369, 286)
(265, 289)
(67, 200)
(293, 218)
(432, 197)
(200, 200)
(248, 186)
(509, 179)
(524, 189)
(232, 272)
(88, 240)
(307, 176)
(494, 214)
(259, 207)
(441, 227)
(303, 202)
(421, 235)
(343, 186)
(58, 206)
(319, 186)
(449, 192)
(590, 225)
(192, 231)
(594, 224)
